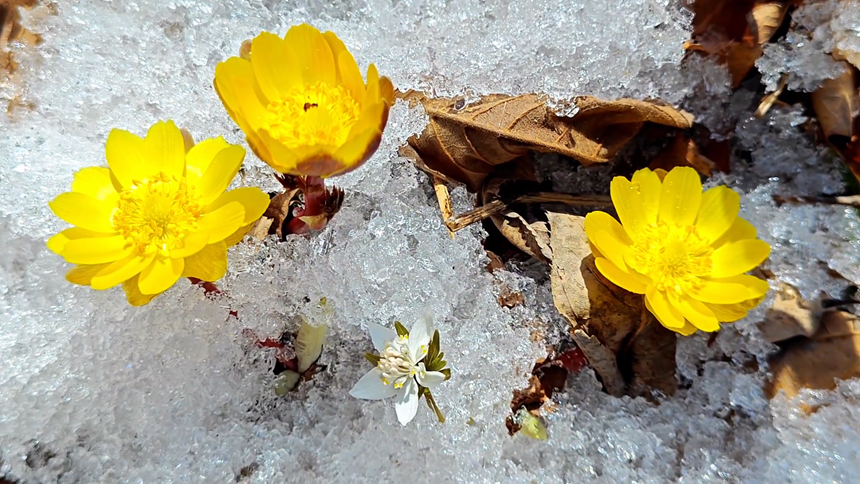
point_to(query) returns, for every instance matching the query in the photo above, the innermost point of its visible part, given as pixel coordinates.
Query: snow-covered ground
(92, 390)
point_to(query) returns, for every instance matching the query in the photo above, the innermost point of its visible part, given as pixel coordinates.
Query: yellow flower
(686, 251)
(302, 103)
(156, 214)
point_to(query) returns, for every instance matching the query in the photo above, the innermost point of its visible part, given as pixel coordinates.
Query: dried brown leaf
(509, 298)
(683, 152)
(766, 18)
(651, 359)
(529, 235)
(465, 143)
(627, 336)
(789, 315)
(721, 19)
(834, 104)
(735, 31)
(260, 229)
(740, 58)
(833, 353)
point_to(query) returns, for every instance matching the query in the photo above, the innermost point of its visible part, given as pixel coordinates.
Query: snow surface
(92, 390)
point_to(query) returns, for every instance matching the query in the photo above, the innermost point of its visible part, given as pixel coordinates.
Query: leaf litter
(489, 145)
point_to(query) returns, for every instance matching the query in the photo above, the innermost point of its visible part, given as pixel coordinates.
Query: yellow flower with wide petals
(302, 103)
(685, 250)
(156, 214)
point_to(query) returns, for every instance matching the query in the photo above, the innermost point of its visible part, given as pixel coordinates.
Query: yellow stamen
(157, 213)
(312, 114)
(674, 257)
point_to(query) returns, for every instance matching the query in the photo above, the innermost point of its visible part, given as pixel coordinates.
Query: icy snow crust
(92, 390)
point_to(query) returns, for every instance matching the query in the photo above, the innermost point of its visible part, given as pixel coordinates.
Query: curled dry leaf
(548, 376)
(789, 315)
(521, 228)
(683, 152)
(465, 143)
(735, 31)
(834, 104)
(305, 204)
(631, 350)
(11, 30)
(765, 19)
(831, 354)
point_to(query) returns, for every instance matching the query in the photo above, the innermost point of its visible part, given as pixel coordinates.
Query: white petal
(430, 379)
(370, 387)
(406, 405)
(380, 335)
(419, 336)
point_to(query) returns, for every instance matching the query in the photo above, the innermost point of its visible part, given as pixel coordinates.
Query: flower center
(157, 213)
(394, 363)
(312, 114)
(674, 257)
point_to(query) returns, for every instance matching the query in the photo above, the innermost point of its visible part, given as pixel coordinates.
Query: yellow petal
(608, 236)
(370, 118)
(336, 46)
(350, 75)
(386, 90)
(282, 159)
(719, 209)
(252, 109)
(221, 223)
(210, 264)
(83, 274)
(58, 242)
(125, 157)
(121, 270)
(658, 303)
(133, 294)
(353, 153)
(220, 173)
(238, 235)
(739, 230)
(687, 330)
(738, 257)
(661, 174)
(253, 199)
(371, 91)
(695, 312)
(96, 250)
(159, 275)
(634, 201)
(84, 211)
(730, 290)
(681, 196)
(728, 313)
(755, 287)
(225, 74)
(199, 158)
(94, 181)
(651, 187)
(315, 60)
(275, 68)
(191, 244)
(620, 278)
(164, 149)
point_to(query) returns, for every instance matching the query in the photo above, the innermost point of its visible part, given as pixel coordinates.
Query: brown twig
(465, 219)
(444, 199)
(768, 101)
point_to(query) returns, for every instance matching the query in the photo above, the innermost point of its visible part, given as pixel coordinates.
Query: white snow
(92, 390)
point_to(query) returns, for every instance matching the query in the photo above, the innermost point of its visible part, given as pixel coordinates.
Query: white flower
(400, 370)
